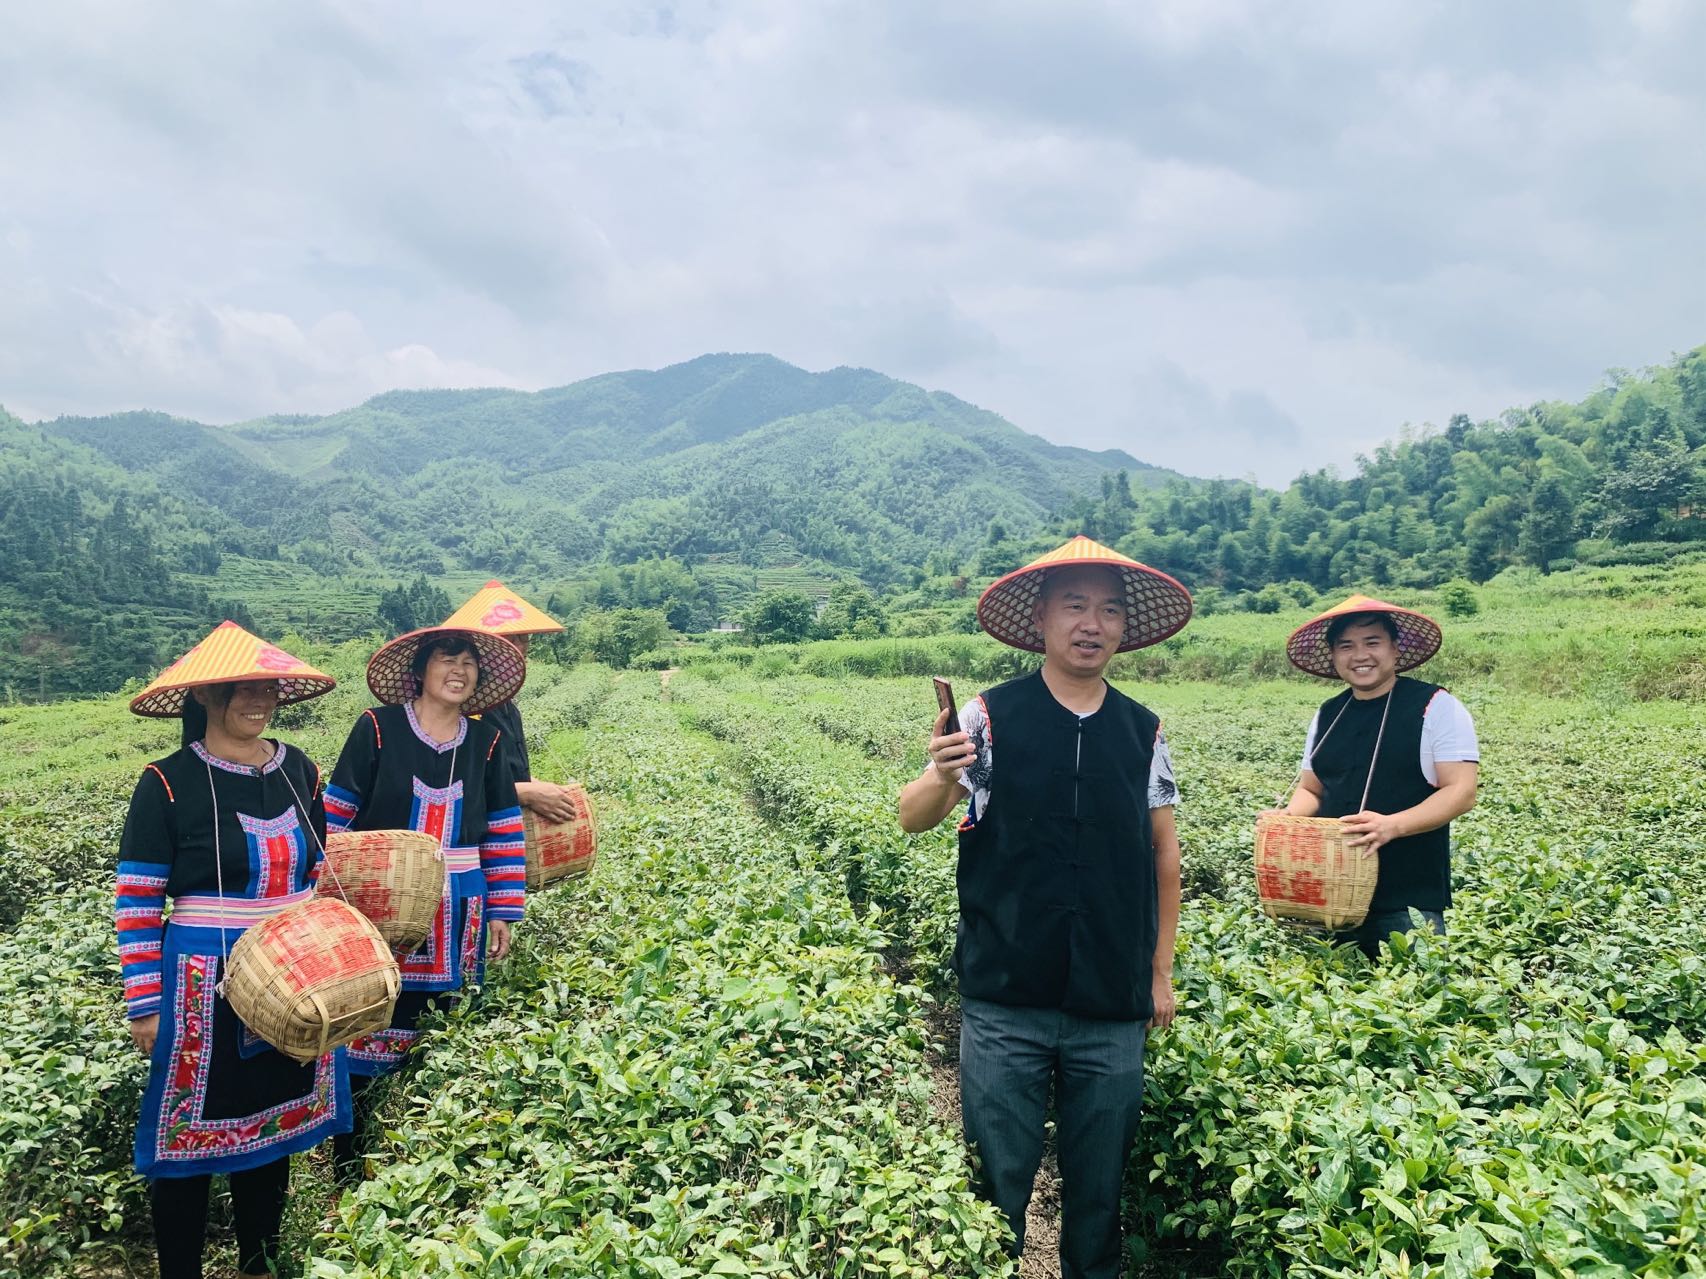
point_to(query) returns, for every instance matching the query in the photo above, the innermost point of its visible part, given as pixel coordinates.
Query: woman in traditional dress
(496, 608)
(230, 827)
(419, 762)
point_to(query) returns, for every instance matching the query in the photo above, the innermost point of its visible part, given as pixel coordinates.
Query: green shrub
(1459, 599)
(70, 1085)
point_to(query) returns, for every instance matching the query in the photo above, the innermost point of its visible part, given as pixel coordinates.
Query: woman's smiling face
(241, 710)
(450, 678)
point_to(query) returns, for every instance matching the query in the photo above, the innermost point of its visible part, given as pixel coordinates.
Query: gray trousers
(1008, 1058)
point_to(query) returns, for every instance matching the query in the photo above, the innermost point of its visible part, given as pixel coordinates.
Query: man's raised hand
(951, 753)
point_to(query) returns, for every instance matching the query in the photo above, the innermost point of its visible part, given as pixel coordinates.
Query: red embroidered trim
(471, 939)
(377, 739)
(170, 798)
(184, 1133)
(496, 733)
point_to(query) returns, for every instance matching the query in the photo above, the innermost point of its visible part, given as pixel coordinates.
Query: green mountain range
(705, 458)
(698, 488)
(748, 471)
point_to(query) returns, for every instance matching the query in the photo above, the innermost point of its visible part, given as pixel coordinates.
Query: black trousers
(180, 1219)
(349, 1149)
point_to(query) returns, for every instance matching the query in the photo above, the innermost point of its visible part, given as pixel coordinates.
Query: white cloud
(1233, 215)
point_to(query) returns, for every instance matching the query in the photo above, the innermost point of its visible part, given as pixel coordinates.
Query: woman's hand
(497, 940)
(144, 1031)
(550, 801)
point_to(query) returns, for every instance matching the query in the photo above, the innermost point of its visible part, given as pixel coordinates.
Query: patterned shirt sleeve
(974, 719)
(145, 864)
(352, 778)
(503, 852)
(1163, 790)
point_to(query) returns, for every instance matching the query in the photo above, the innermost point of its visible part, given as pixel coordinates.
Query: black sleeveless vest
(1416, 870)
(1058, 905)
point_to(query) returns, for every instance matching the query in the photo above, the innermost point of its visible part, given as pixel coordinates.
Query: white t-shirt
(1448, 736)
(974, 719)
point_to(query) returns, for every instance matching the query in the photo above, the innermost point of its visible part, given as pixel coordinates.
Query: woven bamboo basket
(561, 850)
(394, 877)
(1305, 870)
(312, 978)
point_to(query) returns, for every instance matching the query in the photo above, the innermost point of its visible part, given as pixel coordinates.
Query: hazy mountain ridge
(473, 477)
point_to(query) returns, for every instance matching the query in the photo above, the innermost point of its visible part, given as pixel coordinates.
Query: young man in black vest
(1394, 757)
(1068, 887)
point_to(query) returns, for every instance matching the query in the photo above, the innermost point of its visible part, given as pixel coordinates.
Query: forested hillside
(698, 489)
(1618, 477)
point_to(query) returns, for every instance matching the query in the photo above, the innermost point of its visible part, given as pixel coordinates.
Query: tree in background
(1655, 483)
(408, 608)
(661, 583)
(232, 611)
(617, 636)
(1492, 535)
(781, 617)
(852, 613)
(1549, 529)
(1459, 599)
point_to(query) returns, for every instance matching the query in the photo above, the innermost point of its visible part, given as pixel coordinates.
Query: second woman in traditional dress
(496, 608)
(420, 763)
(230, 828)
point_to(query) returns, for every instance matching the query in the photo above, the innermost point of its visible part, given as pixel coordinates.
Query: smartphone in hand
(945, 701)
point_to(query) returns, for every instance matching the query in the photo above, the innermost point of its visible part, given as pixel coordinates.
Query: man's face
(1082, 619)
(1366, 658)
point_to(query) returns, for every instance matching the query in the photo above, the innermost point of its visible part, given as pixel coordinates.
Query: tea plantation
(716, 1057)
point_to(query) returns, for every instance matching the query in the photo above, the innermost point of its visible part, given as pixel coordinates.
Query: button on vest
(1058, 902)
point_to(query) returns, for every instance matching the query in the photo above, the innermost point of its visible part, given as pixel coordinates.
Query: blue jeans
(1008, 1058)
(1382, 924)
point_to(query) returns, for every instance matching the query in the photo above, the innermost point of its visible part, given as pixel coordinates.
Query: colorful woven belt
(232, 913)
(457, 860)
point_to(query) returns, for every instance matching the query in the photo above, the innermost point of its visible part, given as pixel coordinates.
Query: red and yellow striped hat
(496, 608)
(230, 654)
(1419, 636)
(1156, 606)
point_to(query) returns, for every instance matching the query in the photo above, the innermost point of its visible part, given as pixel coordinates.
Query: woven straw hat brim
(168, 703)
(503, 670)
(230, 655)
(496, 608)
(1419, 636)
(1157, 606)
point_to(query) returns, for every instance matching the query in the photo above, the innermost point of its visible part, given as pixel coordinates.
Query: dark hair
(1339, 625)
(451, 645)
(195, 714)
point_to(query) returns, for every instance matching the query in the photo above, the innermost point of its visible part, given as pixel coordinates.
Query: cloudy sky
(1231, 237)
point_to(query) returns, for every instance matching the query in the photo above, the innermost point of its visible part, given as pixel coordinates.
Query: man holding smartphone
(1068, 887)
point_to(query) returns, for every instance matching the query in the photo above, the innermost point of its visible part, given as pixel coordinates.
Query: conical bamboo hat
(1156, 605)
(496, 608)
(227, 655)
(503, 669)
(1419, 636)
